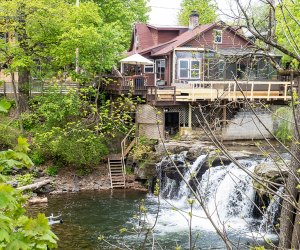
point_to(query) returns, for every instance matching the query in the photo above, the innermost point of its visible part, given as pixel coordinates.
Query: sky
(164, 12)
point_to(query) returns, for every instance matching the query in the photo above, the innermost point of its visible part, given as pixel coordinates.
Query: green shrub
(283, 117)
(37, 158)
(8, 134)
(25, 179)
(52, 170)
(73, 145)
(144, 149)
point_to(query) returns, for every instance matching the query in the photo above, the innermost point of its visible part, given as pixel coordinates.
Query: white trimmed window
(189, 69)
(149, 68)
(218, 36)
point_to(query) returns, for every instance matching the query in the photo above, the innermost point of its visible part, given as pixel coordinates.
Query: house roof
(184, 38)
(147, 44)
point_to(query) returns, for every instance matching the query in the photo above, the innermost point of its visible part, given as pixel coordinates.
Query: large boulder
(272, 171)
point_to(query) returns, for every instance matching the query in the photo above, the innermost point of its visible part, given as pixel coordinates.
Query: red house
(197, 65)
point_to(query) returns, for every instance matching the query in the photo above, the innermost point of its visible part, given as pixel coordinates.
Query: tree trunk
(288, 218)
(296, 230)
(23, 86)
(35, 186)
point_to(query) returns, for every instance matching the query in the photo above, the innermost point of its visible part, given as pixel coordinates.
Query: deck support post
(190, 116)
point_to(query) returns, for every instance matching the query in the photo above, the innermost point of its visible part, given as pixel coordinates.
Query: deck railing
(127, 144)
(232, 90)
(163, 94)
(118, 85)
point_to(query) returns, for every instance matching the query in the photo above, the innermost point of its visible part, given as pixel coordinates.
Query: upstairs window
(149, 68)
(218, 36)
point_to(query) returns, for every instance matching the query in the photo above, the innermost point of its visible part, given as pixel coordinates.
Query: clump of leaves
(25, 179)
(15, 158)
(5, 105)
(52, 170)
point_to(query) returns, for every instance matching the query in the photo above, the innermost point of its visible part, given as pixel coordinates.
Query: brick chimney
(194, 20)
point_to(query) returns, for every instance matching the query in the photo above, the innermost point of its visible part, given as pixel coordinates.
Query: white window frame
(149, 66)
(215, 36)
(156, 71)
(188, 68)
(191, 70)
(190, 60)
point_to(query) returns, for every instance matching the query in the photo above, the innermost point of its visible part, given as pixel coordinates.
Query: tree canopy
(205, 8)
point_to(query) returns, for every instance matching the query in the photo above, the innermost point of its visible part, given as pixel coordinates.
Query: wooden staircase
(116, 172)
(116, 163)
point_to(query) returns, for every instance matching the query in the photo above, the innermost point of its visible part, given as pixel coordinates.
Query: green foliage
(25, 179)
(287, 16)
(15, 158)
(123, 14)
(73, 144)
(52, 170)
(284, 131)
(8, 134)
(18, 231)
(205, 8)
(54, 109)
(37, 157)
(4, 105)
(144, 150)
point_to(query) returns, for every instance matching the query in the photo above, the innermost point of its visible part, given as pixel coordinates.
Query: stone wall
(245, 126)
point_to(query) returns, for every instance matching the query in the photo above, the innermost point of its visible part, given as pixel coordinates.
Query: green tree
(205, 8)
(124, 14)
(44, 34)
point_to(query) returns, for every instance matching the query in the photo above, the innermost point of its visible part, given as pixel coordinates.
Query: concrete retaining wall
(245, 126)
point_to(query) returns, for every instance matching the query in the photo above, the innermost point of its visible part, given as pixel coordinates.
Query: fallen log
(35, 186)
(37, 200)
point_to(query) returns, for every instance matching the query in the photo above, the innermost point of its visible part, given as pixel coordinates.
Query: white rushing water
(227, 193)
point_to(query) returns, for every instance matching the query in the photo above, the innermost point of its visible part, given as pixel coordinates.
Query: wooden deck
(220, 90)
(177, 93)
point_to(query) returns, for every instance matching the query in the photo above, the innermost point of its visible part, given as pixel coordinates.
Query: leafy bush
(54, 109)
(144, 149)
(37, 157)
(8, 133)
(283, 117)
(25, 179)
(52, 170)
(73, 145)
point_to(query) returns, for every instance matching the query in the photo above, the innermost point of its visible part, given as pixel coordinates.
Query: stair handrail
(124, 145)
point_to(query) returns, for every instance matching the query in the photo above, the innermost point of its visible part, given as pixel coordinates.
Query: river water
(86, 215)
(227, 193)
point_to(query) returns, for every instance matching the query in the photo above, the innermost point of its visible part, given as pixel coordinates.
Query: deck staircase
(116, 163)
(116, 172)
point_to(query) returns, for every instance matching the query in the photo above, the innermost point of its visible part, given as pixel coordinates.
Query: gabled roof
(148, 45)
(184, 38)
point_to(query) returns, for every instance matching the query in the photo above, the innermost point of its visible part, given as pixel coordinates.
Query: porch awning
(136, 59)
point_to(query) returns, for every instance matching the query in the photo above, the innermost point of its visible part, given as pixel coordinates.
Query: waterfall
(226, 191)
(184, 190)
(271, 213)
